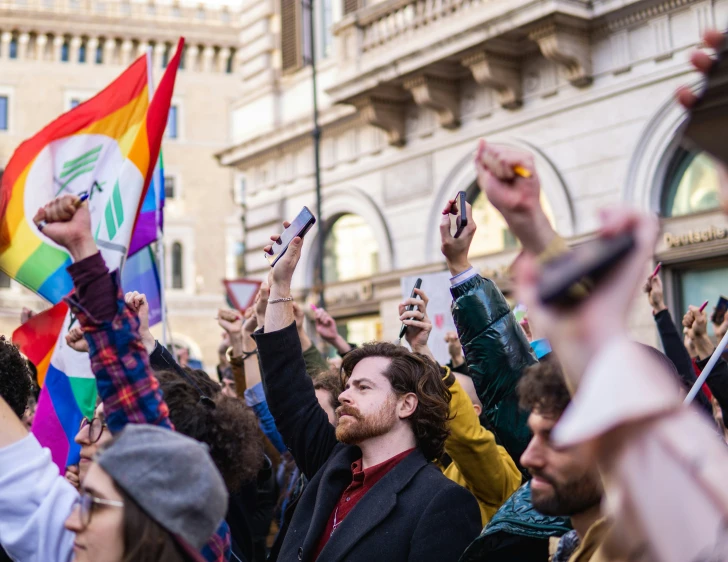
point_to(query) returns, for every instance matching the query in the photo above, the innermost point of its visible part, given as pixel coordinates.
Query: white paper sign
(437, 288)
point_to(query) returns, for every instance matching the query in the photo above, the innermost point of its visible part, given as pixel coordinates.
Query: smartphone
(299, 227)
(418, 284)
(462, 214)
(570, 278)
(720, 309)
(707, 127)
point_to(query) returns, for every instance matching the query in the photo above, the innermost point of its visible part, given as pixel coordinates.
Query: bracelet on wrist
(275, 301)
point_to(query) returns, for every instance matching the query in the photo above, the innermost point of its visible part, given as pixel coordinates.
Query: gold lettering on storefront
(695, 236)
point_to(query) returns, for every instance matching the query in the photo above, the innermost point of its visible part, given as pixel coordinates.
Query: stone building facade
(55, 54)
(406, 89)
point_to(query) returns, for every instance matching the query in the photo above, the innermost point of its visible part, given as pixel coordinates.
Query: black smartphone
(707, 127)
(462, 213)
(569, 279)
(299, 227)
(720, 309)
(418, 284)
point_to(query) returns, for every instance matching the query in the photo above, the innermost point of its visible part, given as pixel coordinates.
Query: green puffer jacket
(516, 533)
(497, 352)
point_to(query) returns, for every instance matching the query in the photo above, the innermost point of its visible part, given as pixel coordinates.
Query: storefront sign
(695, 236)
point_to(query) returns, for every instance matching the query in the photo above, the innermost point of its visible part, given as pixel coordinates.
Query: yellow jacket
(478, 463)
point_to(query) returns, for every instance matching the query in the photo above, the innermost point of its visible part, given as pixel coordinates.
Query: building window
(13, 51)
(699, 284)
(99, 58)
(169, 187)
(171, 131)
(177, 277)
(291, 35)
(3, 113)
(229, 63)
(691, 185)
(65, 48)
(75, 102)
(327, 20)
(493, 234)
(241, 186)
(4, 281)
(350, 250)
(351, 6)
(82, 52)
(239, 250)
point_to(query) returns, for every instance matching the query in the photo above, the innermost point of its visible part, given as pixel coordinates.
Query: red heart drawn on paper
(439, 320)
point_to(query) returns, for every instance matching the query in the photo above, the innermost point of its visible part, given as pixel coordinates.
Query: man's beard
(356, 428)
(571, 498)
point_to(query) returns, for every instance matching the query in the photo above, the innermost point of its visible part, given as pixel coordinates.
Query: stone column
(41, 43)
(5, 39)
(191, 55)
(58, 41)
(208, 58)
(126, 52)
(222, 59)
(75, 47)
(91, 45)
(23, 43)
(109, 50)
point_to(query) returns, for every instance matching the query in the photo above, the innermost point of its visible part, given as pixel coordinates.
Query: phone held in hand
(570, 278)
(418, 284)
(299, 227)
(720, 309)
(707, 127)
(462, 216)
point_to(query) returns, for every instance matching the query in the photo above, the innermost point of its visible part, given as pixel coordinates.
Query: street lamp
(310, 58)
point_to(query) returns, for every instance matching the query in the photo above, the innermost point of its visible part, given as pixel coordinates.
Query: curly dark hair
(230, 429)
(331, 383)
(542, 388)
(15, 377)
(413, 373)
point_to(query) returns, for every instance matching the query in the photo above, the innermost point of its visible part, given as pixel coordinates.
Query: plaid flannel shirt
(127, 385)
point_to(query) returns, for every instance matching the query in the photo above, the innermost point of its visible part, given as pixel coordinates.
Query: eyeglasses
(86, 503)
(96, 428)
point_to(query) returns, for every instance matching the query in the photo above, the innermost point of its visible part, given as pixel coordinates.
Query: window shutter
(291, 27)
(351, 6)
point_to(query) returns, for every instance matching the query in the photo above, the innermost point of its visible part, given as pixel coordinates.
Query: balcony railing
(116, 9)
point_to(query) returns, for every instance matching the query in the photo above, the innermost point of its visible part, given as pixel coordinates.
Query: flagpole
(157, 211)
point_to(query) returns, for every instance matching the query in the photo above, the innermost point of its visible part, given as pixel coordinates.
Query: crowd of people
(554, 438)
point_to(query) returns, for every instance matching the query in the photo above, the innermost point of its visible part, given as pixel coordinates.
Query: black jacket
(672, 343)
(414, 513)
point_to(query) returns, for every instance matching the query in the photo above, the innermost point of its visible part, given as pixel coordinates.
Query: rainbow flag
(140, 271)
(106, 147)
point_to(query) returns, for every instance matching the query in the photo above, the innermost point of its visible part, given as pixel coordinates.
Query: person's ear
(407, 405)
(478, 409)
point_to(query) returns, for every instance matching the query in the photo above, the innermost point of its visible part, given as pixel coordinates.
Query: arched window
(691, 185)
(493, 234)
(177, 270)
(350, 250)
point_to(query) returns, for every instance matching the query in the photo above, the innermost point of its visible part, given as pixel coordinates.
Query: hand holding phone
(569, 279)
(719, 312)
(418, 284)
(458, 208)
(299, 227)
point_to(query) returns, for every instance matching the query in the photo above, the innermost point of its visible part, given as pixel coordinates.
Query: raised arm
(119, 359)
(291, 397)
(672, 341)
(496, 349)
